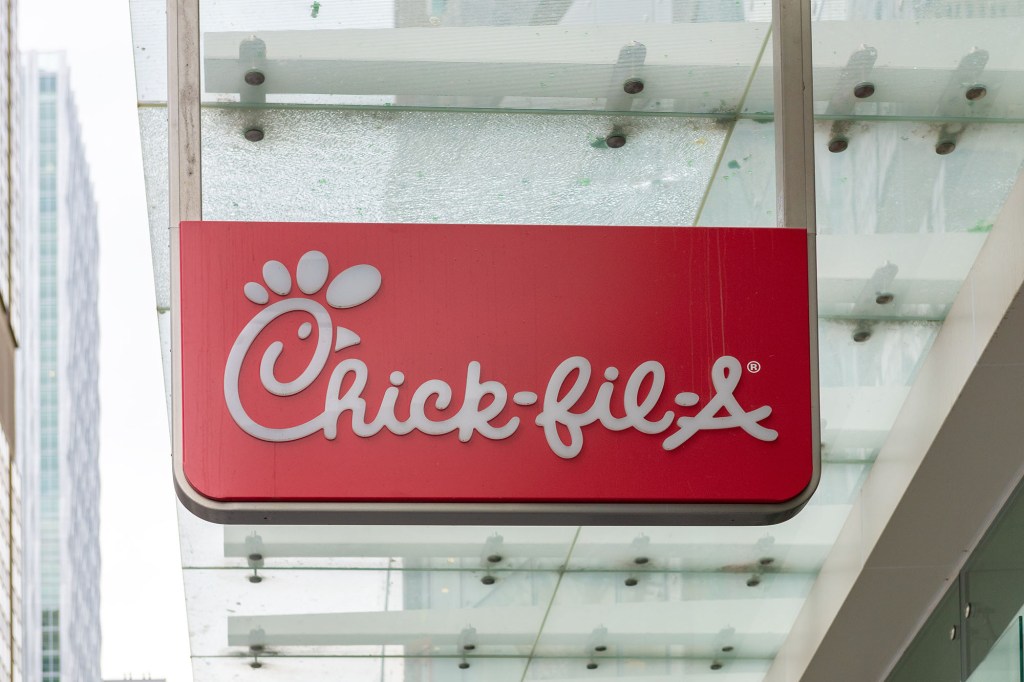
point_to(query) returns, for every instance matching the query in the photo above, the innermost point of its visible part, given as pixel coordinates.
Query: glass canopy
(456, 111)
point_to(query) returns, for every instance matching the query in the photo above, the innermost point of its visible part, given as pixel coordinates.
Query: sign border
(483, 513)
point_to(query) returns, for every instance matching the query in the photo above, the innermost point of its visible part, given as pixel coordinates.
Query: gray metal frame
(795, 187)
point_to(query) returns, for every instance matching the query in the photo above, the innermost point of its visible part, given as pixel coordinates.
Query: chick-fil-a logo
(483, 402)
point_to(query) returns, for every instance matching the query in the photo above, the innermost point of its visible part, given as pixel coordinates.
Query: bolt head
(591, 666)
(633, 86)
(255, 557)
(716, 666)
(945, 147)
(838, 145)
(967, 611)
(254, 77)
(863, 90)
(615, 140)
(884, 298)
(463, 665)
(468, 647)
(641, 560)
(600, 647)
(953, 633)
(255, 579)
(254, 135)
(976, 92)
(631, 582)
(488, 580)
(728, 648)
(861, 335)
(494, 558)
(753, 581)
(766, 561)
(255, 665)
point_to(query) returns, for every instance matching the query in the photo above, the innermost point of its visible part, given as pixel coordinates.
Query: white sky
(143, 611)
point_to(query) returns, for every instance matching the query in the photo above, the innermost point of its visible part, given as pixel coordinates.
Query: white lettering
(560, 411)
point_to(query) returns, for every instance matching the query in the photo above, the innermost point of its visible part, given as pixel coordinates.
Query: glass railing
(1005, 661)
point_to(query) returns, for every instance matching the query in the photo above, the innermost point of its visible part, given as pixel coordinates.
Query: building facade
(10, 318)
(60, 364)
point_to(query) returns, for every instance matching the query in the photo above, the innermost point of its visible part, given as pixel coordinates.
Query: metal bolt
(838, 145)
(254, 77)
(967, 611)
(256, 648)
(861, 335)
(640, 560)
(488, 580)
(254, 135)
(754, 581)
(716, 666)
(953, 633)
(633, 86)
(494, 558)
(615, 140)
(591, 666)
(727, 648)
(884, 299)
(976, 92)
(255, 557)
(631, 582)
(863, 90)
(945, 147)
(256, 665)
(600, 647)
(254, 578)
(463, 665)
(468, 647)
(766, 561)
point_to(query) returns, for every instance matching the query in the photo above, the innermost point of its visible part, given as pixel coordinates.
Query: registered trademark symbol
(753, 366)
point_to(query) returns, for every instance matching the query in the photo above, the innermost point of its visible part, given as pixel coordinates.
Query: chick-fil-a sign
(344, 364)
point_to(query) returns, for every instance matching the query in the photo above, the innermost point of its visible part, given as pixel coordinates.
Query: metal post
(794, 122)
(184, 180)
(185, 190)
(794, 155)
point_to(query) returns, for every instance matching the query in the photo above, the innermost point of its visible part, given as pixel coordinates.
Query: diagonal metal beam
(949, 464)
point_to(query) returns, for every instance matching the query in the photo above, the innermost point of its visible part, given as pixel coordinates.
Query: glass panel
(742, 190)
(153, 128)
(724, 669)
(930, 60)
(649, 614)
(149, 41)
(934, 654)
(436, 547)
(238, 669)
(357, 612)
(993, 581)
(600, 55)
(1005, 661)
(390, 166)
(866, 369)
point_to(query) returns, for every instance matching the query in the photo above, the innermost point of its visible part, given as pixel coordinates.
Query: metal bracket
(877, 291)
(854, 83)
(963, 92)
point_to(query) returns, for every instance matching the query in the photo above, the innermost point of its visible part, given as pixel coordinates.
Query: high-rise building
(10, 317)
(60, 363)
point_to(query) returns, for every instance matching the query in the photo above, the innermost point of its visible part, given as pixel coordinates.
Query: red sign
(326, 367)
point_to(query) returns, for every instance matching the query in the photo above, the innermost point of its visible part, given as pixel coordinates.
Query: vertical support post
(794, 155)
(184, 179)
(185, 191)
(794, 120)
